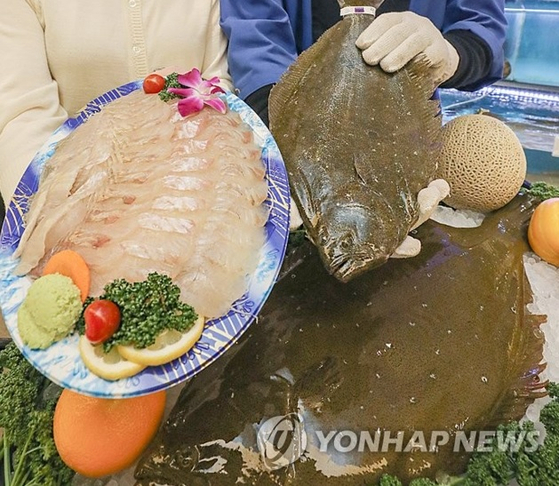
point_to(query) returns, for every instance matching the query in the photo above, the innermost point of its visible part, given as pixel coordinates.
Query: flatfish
(358, 143)
(437, 344)
(139, 189)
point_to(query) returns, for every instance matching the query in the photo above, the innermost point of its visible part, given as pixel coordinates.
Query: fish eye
(347, 241)
(186, 458)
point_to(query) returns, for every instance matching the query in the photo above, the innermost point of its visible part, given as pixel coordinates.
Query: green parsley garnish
(147, 309)
(28, 455)
(171, 82)
(543, 191)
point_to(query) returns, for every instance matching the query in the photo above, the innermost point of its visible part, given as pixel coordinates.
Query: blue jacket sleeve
(484, 18)
(262, 41)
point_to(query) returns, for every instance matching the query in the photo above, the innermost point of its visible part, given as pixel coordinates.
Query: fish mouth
(350, 240)
(346, 266)
(349, 269)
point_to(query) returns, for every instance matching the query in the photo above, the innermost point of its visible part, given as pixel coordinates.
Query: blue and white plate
(61, 362)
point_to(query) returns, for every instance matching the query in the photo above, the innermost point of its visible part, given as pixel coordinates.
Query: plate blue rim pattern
(61, 362)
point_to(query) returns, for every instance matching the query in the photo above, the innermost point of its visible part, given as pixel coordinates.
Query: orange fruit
(543, 231)
(100, 436)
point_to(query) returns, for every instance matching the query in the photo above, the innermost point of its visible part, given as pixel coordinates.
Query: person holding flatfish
(352, 112)
(463, 39)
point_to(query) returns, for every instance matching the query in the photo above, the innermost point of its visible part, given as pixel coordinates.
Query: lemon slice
(110, 366)
(168, 346)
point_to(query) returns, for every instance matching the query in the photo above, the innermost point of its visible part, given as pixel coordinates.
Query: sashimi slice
(140, 189)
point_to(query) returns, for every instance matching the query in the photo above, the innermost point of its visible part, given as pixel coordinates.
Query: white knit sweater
(56, 55)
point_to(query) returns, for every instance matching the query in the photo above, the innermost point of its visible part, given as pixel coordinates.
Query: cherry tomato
(153, 83)
(102, 319)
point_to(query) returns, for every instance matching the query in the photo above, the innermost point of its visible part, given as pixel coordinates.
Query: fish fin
(530, 340)
(357, 3)
(282, 104)
(419, 72)
(307, 205)
(505, 220)
(285, 91)
(528, 344)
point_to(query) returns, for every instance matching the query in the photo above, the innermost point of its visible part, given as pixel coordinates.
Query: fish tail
(360, 3)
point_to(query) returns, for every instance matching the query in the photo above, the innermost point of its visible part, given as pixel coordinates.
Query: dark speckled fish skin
(359, 144)
(442, 341)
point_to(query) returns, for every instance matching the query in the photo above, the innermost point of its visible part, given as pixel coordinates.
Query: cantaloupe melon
(483, 161)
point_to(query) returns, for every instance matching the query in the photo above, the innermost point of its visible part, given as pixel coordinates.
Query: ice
(544, 280)
(457, 218)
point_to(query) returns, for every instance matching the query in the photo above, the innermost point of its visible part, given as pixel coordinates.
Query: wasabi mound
(50, 310)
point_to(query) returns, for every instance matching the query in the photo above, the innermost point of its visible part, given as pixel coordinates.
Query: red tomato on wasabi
(153, 83)
(102, 319)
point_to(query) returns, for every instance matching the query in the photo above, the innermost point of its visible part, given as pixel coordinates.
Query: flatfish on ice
(358, 144)
(439, 343)
(139, 189)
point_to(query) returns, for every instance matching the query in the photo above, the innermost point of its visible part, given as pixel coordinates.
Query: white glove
(394, 39)
(428, 199)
